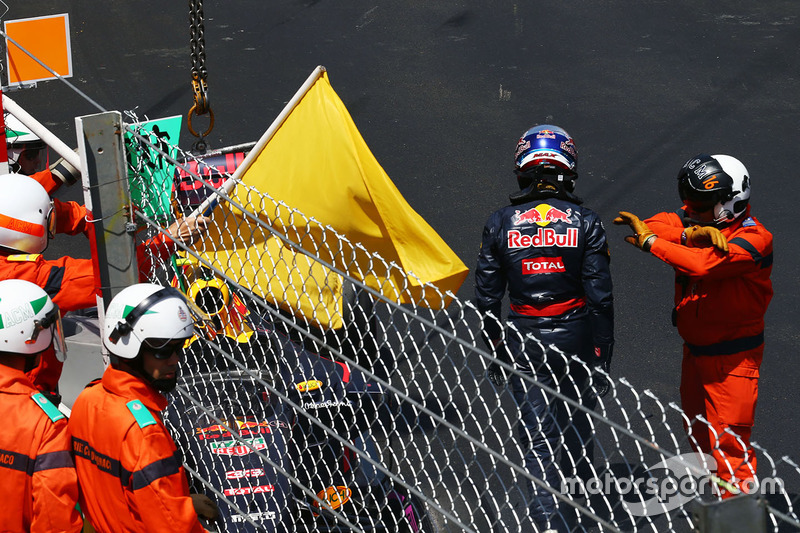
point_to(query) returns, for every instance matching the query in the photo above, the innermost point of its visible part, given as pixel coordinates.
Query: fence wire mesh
(313, 402)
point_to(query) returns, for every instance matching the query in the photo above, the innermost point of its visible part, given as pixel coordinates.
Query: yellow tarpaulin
(316, 162)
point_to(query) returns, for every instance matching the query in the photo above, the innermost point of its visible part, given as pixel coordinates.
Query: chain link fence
(311, 401)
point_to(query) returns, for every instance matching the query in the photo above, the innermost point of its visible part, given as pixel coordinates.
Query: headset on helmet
(27, 219)
(29, 320)
(27, 153)
(719, 182)
(148, 312)
(548, 151)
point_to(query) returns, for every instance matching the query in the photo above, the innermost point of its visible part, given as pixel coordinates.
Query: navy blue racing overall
(551, 255)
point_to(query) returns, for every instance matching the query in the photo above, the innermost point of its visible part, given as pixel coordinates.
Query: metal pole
(3, 151)
(105, 191)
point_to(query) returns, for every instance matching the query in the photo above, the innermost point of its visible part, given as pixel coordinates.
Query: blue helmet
(549, 146)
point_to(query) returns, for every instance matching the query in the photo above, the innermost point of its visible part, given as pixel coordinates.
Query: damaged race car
(287, 439)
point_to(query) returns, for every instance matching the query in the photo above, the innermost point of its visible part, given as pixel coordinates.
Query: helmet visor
(30, 158)
(51, 222)
(699, 205)
(52, 322)
(699, 200)
(164, 348)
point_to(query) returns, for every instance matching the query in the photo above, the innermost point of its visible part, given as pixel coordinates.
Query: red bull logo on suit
(542, 215)
(543, 238)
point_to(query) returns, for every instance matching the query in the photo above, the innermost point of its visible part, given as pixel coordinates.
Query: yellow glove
(642, 237)
(704, 236)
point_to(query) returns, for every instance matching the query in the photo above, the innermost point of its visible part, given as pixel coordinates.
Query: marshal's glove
(65, 172)
(189, 229)
(705, 236)
(642, 237)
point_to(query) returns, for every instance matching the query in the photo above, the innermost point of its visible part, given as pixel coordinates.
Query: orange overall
(70, 216)
(46, 179)
(720, 302)
(71, 282)
(71, 285)
(38, 484)
(130, 471)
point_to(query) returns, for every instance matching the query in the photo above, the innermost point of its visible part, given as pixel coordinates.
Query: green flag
(150, 173)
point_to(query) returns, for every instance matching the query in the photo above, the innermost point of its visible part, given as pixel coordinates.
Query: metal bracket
(738, 513)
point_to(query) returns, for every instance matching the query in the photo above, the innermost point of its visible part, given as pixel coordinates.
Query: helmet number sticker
(335, 496)
(710, 184)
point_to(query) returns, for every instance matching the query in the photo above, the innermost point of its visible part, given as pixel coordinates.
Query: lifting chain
(201, 105)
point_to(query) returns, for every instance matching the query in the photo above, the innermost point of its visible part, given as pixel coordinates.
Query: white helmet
(27, 218)
(739, 197)
(718, 182)
(22, 143)
(29, 320)
(146, 312)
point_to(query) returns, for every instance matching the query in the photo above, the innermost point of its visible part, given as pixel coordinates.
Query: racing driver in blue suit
(551, 254)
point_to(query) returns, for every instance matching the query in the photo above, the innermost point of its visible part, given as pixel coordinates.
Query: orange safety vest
(70, 216)
(69, 281)
(71, 284)
(38, 483)
(46, 180)
(130, 471)
(720, 299)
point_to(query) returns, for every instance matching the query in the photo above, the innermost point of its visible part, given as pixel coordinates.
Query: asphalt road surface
(441, 92)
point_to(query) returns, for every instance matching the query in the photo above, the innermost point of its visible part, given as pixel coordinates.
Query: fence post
(738, 513)
(105, 190)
